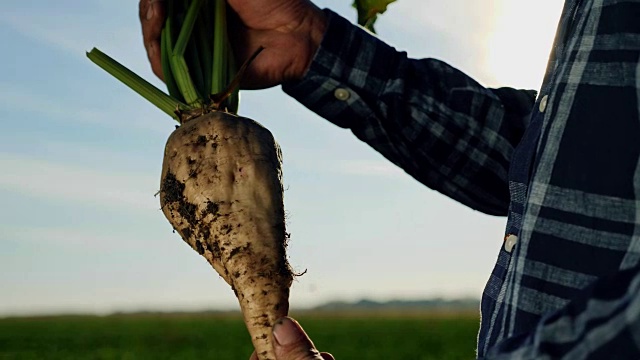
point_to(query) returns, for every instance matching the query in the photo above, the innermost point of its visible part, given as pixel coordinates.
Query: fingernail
(150, 10)
(286, 332)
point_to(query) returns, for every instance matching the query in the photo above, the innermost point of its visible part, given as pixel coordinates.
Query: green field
(417, 336)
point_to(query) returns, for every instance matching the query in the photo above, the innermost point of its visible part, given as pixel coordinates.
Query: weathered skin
(222, 191)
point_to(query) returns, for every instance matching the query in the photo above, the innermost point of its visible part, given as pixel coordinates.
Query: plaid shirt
(563, 166)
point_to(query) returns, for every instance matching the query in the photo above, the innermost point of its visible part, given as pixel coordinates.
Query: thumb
(292, 343)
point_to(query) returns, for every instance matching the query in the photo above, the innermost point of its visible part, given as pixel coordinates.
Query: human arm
(438, 124)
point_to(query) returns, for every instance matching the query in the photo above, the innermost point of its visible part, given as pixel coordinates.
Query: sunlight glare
(521, 40)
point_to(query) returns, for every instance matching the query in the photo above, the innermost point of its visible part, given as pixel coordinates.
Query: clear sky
(81, 230)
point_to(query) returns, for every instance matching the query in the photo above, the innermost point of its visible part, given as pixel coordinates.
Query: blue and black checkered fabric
(563, 165)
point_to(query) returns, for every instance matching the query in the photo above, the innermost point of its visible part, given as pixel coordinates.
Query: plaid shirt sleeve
(439, 125)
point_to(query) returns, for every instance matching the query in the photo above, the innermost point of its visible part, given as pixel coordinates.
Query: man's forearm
(435, 122)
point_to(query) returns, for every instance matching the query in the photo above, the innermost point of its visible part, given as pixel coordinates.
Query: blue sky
(81, 230)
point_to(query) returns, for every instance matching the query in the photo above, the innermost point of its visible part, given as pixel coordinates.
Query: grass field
(418, 336)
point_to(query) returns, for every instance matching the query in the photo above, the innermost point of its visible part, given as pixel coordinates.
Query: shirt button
(342, 94)
(543, 103)
(509, 242)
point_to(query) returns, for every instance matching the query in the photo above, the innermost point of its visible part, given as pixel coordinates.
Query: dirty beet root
(221, 189)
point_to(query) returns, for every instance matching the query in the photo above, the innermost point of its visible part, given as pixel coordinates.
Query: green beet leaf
(368, 11)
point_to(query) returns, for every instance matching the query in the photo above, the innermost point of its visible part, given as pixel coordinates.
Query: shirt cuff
(349, 70)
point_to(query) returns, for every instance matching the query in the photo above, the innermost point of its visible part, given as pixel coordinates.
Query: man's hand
(292, 343)
(289, 30)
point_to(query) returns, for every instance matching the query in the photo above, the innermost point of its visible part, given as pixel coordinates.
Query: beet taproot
(222, 191)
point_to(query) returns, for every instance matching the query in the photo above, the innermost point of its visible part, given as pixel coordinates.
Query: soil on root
(173, 192)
